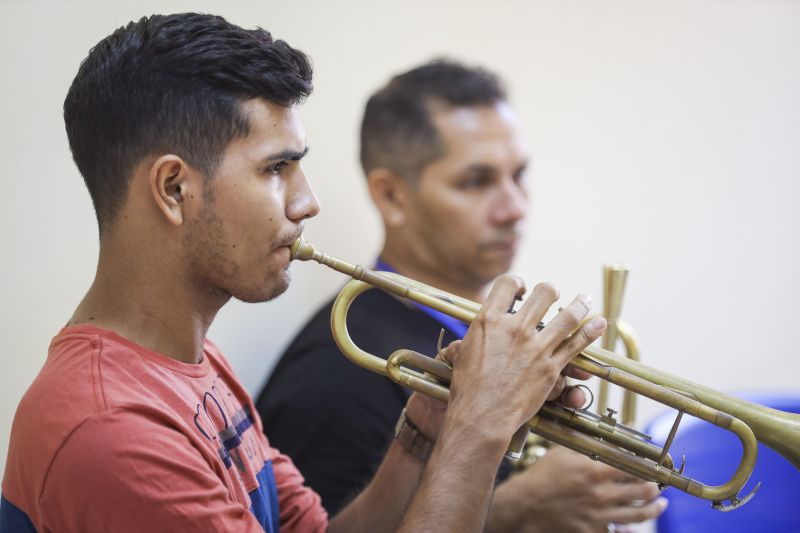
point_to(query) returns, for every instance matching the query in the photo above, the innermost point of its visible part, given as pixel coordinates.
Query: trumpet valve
(608, 422)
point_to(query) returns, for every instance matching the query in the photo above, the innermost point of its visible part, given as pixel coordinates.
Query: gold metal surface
(614, 278)
(598, 437)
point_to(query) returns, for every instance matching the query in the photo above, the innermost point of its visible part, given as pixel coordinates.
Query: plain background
(665, 134)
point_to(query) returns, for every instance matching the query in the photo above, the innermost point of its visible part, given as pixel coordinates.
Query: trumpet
(599, 437)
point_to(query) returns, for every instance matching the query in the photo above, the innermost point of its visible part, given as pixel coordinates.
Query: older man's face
(469, 205)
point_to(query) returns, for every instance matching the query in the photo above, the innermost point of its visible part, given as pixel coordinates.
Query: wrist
(487, 425)
(413, 440)
(484, 439)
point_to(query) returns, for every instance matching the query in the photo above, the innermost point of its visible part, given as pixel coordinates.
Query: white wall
(665, 134)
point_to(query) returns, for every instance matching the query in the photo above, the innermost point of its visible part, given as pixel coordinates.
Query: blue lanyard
(453, 325)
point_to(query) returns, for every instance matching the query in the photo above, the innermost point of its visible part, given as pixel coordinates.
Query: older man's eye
(475, 182)
(519, 175)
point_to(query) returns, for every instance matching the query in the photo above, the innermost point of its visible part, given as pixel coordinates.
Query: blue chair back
(712, 454)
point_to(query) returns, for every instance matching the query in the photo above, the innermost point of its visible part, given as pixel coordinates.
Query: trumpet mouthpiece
(301, 250)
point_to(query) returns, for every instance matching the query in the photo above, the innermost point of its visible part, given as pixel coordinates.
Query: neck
(411, 267)
(150, 302)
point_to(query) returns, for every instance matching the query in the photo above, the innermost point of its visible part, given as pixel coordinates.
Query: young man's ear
(390, 193)
(172, 184)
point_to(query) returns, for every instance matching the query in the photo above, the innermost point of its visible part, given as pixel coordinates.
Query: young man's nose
(302, 202)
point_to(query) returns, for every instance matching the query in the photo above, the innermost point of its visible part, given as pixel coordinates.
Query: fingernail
(598, 323)
(587, 300)
(662, 503)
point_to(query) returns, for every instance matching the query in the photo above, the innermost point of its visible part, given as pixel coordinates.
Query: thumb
(449, 353)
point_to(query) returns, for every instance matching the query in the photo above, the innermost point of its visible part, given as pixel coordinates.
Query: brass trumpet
(599, 437)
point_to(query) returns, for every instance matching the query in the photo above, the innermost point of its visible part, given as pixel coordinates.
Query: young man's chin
(275, 288)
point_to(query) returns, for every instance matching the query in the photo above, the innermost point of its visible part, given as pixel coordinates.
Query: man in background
(446, 166)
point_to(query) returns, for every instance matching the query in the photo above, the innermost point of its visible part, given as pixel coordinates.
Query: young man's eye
(276, 168)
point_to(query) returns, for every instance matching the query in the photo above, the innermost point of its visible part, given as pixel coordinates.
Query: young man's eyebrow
(290, 155)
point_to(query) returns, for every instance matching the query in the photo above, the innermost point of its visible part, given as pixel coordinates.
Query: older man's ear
(390, 194)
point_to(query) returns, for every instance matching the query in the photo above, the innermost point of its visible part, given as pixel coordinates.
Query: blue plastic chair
(712, 454)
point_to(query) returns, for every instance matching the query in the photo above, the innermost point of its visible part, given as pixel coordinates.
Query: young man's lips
(290, 241)
(285, 254)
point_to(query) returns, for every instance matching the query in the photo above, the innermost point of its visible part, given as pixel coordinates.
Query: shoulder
(88, 373)
(68, 390)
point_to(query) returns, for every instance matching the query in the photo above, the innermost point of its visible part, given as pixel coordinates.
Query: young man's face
(469, 204)
(259, 197)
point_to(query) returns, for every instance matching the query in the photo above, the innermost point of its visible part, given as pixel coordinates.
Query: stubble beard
(279, 285)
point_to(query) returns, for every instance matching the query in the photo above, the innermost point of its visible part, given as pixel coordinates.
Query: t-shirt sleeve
(126, 471)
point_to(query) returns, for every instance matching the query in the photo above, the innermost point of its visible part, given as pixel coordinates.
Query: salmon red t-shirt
(112, 436)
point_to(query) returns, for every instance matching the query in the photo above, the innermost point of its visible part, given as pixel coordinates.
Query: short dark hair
(172, 84)
(397, 132)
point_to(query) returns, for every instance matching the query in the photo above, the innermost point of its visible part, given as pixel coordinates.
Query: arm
(566, 491)
(383, 504)
(503, 372)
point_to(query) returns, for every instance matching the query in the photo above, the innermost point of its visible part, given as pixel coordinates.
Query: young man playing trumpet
(446, 166)
(187, 132)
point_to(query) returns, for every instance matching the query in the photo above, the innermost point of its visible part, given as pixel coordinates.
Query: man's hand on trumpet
(563, 491)
(503, 371)
(506, 366)
(501, 334)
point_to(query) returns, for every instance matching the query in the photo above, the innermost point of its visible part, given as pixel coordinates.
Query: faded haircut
(397, 132)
